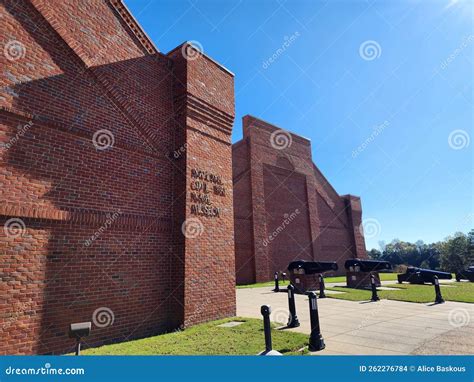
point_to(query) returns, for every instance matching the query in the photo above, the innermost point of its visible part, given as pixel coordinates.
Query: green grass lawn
(208, 339)
(264, 284)
(462, 292)
(337, 279)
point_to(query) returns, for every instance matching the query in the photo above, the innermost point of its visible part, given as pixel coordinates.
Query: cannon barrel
(430, 273)
(466, 274)
(421, 275)
(358, 265)
(304, 275)
(313, 267)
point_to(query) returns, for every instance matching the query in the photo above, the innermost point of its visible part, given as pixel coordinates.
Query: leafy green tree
(456, 252)
(374, 254)
(416, 254)
(428, 256)
(470, 236)
(401, 252)
(425, 264)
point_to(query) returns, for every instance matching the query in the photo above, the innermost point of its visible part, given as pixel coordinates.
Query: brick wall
(285, 209)
(90, 116)
(244, 244)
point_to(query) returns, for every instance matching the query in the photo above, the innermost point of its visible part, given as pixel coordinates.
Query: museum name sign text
(204, 186)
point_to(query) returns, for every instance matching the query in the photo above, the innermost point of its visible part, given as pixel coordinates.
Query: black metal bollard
(277, 286)
(321, 286)
(375, 297)
(78, 331)
(78, 346)
(439, 298)
(293, 321)
(266, 310)
(316, 341)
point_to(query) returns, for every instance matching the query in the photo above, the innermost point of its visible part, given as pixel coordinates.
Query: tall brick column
(261, 253)
(354, 210)
(204, 226)
(297, 158)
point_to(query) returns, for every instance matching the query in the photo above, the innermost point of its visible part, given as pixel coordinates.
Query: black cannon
(415, 275)
(466, 274)
(358, 272)
(304, 275)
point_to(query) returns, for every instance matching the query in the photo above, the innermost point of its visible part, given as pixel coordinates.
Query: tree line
(454, 253)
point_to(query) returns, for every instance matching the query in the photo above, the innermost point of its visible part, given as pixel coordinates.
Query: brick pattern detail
(103, 227)
(285, 209)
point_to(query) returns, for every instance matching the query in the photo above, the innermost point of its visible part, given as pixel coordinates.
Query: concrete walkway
(384, 327)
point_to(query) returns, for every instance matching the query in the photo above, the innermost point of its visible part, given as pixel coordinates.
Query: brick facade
(104, 140)
(284, 207)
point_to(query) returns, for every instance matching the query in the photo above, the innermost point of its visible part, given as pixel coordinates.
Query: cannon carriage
(358, 272)
(466, 274)
(304, 275)
(415, 275)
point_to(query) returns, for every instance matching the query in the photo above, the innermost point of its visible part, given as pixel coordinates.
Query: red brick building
(285, 209)
(116, 179)
(117, 185)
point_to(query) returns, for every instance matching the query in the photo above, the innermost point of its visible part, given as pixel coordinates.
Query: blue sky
(384, 90)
